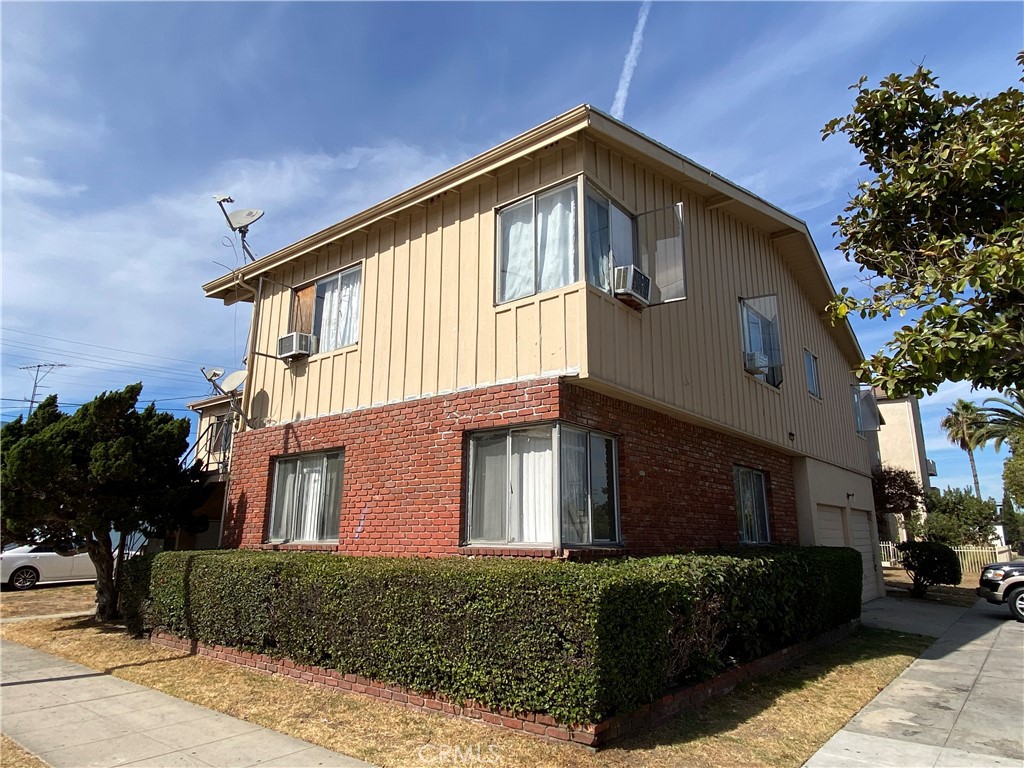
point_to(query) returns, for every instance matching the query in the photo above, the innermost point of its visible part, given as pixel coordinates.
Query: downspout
(246, 400)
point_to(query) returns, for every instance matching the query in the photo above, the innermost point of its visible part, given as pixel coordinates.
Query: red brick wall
(401, 493)
(402, 489)
(676, 486)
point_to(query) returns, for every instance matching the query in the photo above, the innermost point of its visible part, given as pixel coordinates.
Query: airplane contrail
(619, 105)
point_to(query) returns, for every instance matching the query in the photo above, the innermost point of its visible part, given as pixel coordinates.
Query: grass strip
(776, 721)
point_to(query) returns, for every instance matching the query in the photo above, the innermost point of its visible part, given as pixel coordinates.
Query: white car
(25, 566)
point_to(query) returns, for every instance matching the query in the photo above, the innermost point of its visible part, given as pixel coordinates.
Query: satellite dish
(243, 218)
(239, 221)
(213, 374)
(233, 381)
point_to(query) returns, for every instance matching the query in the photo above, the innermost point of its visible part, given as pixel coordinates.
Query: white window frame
(276, 497)
(557, 429)
(499, 245)
(812, 373)
(774, 375)
(757, 483)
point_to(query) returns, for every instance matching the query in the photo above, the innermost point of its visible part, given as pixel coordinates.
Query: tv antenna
(239, 220)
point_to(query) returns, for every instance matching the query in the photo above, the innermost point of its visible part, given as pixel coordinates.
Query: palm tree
(963, 424)
(1003, 420)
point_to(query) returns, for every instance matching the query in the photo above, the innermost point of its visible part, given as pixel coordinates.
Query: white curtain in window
(337, 321)
(517, 254)
(556, 238)
(308, 500)
(531, 503)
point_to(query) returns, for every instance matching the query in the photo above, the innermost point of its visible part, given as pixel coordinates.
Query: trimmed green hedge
(576, 641)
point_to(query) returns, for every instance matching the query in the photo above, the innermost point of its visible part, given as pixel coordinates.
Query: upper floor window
(865, 408)
(537, 244)
(529, 483)
(307, 498)
(811, 374)
(537, 247)
(329, 309)
(610, 239)
(751, 505)
(762, 345)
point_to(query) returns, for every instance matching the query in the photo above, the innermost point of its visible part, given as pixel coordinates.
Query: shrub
(576, 641)
(928, 563)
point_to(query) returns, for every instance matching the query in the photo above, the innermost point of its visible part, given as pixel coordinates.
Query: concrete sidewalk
(959, 704)
(74, 717)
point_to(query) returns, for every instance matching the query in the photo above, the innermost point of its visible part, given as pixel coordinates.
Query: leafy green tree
(105, 468)
(1013, 469)
(958, 518)
(939, 230)
(1011, 520)
(963, 423)
(897, 492)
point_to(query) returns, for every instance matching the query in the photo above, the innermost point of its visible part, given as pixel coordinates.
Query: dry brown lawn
(48, 599)
(13, 756)
(777, 721)
(897, 582)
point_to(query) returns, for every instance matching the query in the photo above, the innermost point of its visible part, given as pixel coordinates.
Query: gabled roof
(789, 234)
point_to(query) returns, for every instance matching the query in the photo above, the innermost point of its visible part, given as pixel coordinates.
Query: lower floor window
(307, 498)
(751, 505)
(545, 484)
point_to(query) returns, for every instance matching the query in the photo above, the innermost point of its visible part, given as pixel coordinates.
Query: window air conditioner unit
(755, 362)
(632, 286)
(295, 345)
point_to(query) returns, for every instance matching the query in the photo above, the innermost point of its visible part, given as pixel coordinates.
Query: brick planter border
(539, 725)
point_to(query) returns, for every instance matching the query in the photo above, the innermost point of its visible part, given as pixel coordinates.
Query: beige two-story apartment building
(579, 343)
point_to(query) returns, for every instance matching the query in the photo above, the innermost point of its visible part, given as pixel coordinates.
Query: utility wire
(142, 366)
(99, 346)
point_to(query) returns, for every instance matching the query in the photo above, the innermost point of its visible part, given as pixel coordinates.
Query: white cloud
(129, 276)
(38, 186)
(629, 64)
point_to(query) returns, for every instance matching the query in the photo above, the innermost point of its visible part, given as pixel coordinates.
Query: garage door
(860, 535)
(831, 534)
(830, 526)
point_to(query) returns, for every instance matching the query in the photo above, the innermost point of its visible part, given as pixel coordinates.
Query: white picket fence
(972, 559)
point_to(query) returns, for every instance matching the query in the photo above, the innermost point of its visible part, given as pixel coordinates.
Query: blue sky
(121, 120)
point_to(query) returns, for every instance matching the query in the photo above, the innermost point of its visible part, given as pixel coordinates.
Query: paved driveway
(960, 704)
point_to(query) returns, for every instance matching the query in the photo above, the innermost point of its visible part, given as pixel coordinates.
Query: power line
(100, 346)
(141, 366)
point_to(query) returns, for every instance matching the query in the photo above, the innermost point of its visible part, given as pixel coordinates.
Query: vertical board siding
(428, 320)
(687, 354)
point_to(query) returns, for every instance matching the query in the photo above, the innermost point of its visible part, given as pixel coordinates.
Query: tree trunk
(974, 473)
(102, 555)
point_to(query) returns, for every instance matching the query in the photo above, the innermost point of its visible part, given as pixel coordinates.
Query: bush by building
(929, 563)
(578, 642)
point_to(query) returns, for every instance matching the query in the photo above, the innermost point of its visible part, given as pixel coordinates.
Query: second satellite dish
(243, 218)
(232, 381)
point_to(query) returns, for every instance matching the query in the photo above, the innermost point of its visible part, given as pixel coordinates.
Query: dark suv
(1004, 583)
